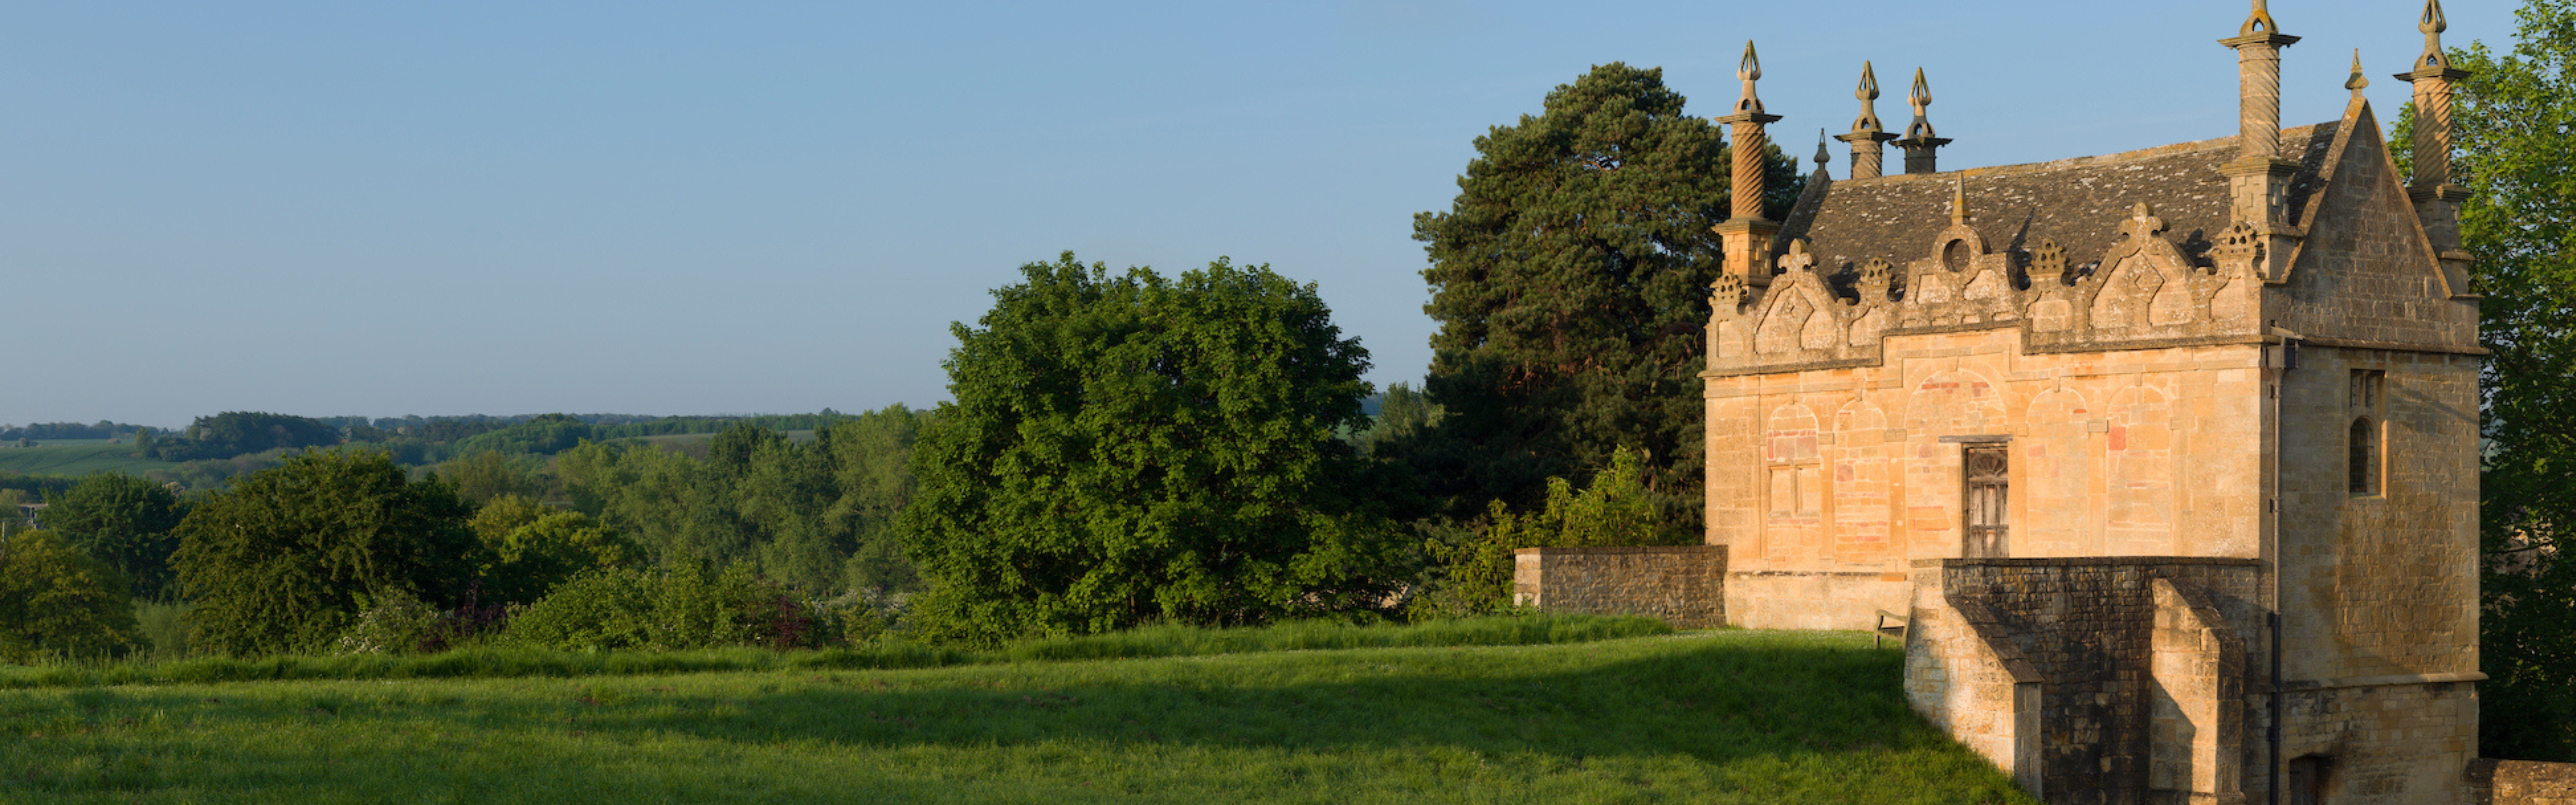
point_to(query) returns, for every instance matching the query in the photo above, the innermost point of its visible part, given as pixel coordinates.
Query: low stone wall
(2521, 782)
(1813, 600)
(2124, 678)
(1685, 585)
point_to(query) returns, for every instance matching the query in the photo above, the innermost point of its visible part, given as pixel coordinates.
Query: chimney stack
(1745, 235)
(2258, 178)
(1868, 137)
(1920, 143)
(2436, 198)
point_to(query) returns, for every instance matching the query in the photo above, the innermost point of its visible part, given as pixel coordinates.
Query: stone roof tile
(2080, 203)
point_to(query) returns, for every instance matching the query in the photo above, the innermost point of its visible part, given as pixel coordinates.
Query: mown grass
(77, 459)
(492, 662)
(1705, 717)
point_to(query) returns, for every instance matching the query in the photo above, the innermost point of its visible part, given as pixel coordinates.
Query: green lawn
(1726, 716)
(76, 459)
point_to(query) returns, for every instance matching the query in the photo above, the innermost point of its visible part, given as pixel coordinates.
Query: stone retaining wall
(2124, 678)
(2521, 782)
(1685, 585)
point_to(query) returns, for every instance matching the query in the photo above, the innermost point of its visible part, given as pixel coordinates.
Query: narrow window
(1988, 529)
(2363, 445)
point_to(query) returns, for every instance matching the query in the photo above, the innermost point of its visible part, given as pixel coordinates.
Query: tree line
(1129, 447)
(342, 546)
(1121, 448)
(101, 429)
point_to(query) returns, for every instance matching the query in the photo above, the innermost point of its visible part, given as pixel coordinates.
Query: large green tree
(531, 547)
(1131, 448)
(125, 522)
(287, 557)
(1570, 281)
(2516, 133)
(56, 602)
(870, 457)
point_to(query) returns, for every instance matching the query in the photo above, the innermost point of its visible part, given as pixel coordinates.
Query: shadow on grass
(1713, 701)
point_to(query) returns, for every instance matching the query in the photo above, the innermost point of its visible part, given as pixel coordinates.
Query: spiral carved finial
(2433, 26)
(2260, 22)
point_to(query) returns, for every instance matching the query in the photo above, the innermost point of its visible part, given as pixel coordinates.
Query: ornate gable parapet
(2144, 290)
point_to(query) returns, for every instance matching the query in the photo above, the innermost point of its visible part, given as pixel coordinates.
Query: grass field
(76, 459)
(1725, 716)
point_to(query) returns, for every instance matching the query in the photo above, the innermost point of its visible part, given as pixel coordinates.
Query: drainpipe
(2282, 358)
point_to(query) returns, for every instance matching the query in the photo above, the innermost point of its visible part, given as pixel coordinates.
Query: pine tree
(1570, 280)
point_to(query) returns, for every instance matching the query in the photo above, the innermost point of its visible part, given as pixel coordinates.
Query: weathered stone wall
(2365, 272)
(2521, 782)
(1685, 585)
(2198, 676)
(2140, 666)
(2383, 583)
(1966, 676)
(2381, 740)
(1828, 483)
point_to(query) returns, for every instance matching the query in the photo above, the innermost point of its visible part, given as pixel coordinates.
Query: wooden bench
(1883, 631)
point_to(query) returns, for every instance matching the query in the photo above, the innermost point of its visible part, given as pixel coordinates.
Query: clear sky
(381, 209)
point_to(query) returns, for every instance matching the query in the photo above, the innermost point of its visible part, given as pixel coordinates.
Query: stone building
(2158, 450)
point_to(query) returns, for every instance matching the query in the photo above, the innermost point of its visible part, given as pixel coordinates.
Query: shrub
(664, 610)
(165, 628)
(397, 623)
(1476, 573)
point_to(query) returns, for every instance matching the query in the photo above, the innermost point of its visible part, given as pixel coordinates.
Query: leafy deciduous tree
(531, 547)
(871, 460)
(488, 474)
(56, 601)
(1130, 448)
(2516, 130)
(1476, 574)
(286, 558)
(817, 517)
(124, 522)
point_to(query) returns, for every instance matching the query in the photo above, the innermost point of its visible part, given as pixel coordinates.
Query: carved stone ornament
(2142, 223)
(2239, 250)
(1874, 277)
(1797, 259)
(1728, 293)
(2048, 264)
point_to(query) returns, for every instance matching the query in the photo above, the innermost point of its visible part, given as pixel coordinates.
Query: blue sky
(487, 207)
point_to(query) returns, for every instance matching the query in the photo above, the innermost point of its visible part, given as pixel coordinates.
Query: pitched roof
(2079, 203)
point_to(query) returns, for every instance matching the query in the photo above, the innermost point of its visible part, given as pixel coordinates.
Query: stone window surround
(2366, 411)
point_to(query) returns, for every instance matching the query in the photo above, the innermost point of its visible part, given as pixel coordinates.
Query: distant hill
(77, 459)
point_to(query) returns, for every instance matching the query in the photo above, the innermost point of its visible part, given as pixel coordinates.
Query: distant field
(1722, 717)
(76, 458)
